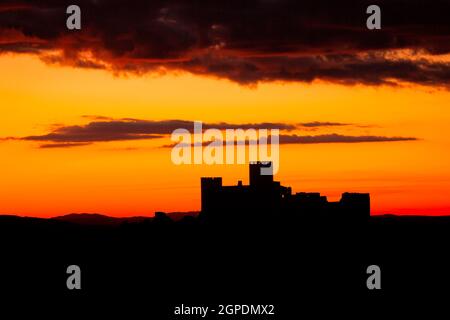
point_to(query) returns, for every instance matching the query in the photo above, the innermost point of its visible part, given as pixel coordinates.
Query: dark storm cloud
(22, 47)
(14, 7)
(244, 41)
(347, 70)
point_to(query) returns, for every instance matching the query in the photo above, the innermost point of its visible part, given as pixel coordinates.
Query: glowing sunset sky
(71, 105)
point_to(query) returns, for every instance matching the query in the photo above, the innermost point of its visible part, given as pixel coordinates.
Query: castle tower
(356, 205)
(257, 179)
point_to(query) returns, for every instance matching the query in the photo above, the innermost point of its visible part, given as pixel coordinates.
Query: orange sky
(137, 177)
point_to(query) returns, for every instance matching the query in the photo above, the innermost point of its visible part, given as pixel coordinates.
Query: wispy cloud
(62, 145)
(103, 129)
(338, 138)
(318, 124)
(304, 139)
(106, 129)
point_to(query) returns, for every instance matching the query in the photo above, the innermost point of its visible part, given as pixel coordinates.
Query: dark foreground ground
(148, 267)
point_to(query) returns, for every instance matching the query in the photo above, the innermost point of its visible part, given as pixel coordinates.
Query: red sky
(71, 103)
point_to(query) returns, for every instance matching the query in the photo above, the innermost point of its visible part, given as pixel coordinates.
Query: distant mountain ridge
(100, 219)
(97, 219)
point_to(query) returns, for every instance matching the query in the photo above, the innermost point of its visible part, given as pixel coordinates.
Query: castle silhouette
(265, 198)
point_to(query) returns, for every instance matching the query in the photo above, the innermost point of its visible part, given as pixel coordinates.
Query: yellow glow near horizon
(138, 177)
